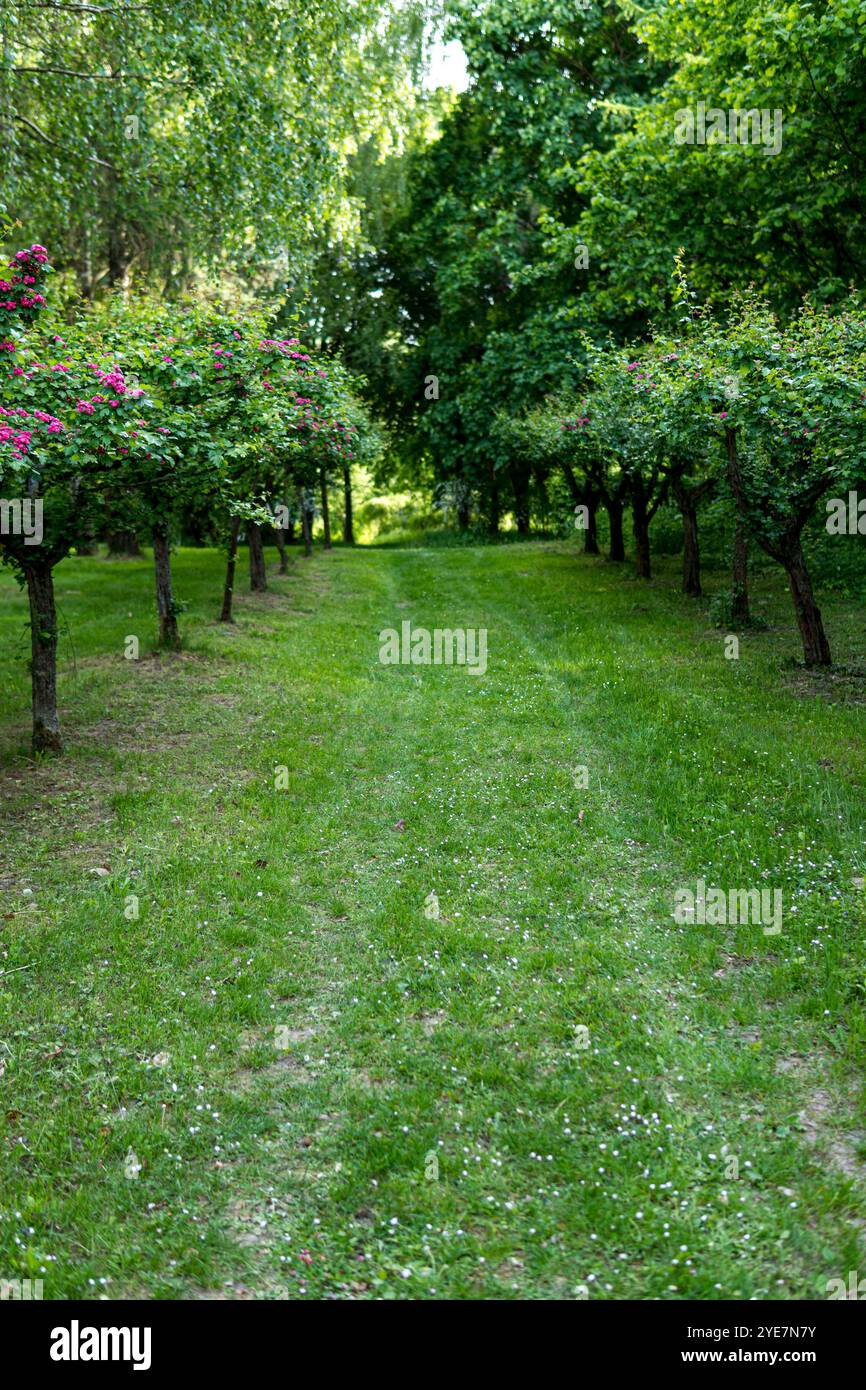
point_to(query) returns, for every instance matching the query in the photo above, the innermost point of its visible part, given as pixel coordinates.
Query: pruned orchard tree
(34, 474)
(552, 436)
(620, 426)
(334, 428)
(38, 475)
(794, 429)
(664, 373)
(210, 370)
(71, 431)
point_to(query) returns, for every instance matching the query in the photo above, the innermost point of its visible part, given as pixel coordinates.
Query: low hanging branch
(92, 158)
(81, 9)
(108, 76)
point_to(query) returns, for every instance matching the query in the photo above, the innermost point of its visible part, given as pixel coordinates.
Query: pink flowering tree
(118, 440)
(227, 394)
(193, 359)
(286, 369)
(22, 295)
(325, 429)
(333, 429)
(32, 447)
(39, 508)
(44, 493)
(74, 433)
(139, 456)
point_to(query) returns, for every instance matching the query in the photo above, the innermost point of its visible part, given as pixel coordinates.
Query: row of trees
(543, 207)
(136, 413)
(770, 414)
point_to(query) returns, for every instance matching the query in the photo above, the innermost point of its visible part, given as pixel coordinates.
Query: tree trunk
(326, 515)
(691, 550)
(306, 529)
(740, 575)
(816, 648)
(43, 661)
(590, 539)
(168, 633)
(494, 513)
(119, 251)
(789, 553)
(688, 500)
(640, 527)
(279, 537)
(617, 543)
(258, 578)
(348, 530)
(123, 545)
(520, 484)
(118, 259)
(231, 565)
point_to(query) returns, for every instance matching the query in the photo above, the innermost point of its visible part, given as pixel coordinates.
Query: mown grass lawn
(284, 1079)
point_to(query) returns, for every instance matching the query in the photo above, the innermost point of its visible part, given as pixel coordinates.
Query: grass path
(281, 1077)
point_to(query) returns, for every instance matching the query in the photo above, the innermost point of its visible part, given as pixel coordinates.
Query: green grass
(308, 1169)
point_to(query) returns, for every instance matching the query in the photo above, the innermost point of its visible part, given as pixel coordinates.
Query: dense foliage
(148, 136)
(137, 413)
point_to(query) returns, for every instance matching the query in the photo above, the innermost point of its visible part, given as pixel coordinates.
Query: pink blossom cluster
(36, 253)
(29, 267)
(27, 301)
(42, 367)
(18, 439)
(86, 407)
(283, 345)
(116, 381)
